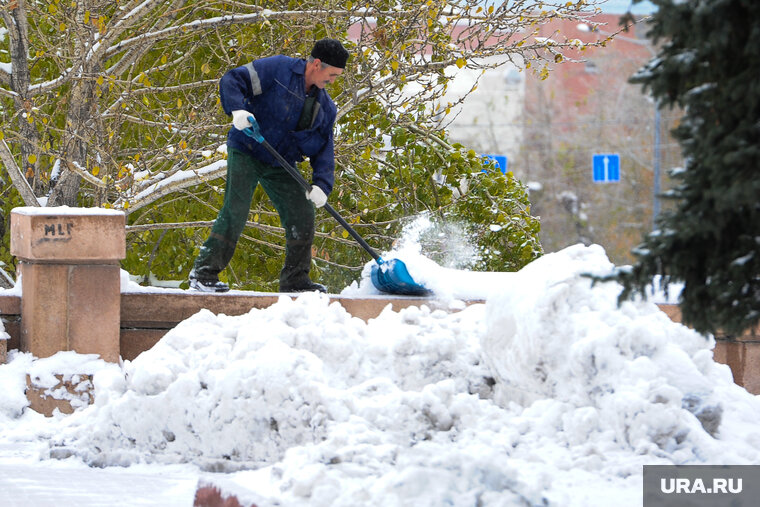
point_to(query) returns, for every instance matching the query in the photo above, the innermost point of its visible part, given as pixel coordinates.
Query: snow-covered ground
(548, 394)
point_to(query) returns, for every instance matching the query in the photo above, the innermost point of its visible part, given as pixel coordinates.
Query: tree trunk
(66, 190)
(79, 131)
(16, 21)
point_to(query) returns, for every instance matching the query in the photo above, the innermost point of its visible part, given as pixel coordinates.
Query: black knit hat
(331, 52)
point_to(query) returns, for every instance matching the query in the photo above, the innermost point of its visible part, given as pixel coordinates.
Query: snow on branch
(174, 183)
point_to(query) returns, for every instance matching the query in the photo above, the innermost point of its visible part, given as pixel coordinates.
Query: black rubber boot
(294, 276)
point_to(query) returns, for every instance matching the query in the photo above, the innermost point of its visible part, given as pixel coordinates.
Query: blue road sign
(499, 161)
(606, 167)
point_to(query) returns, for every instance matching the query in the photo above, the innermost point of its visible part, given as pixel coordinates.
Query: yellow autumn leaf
(32, 158)
(394, 65)
(87, 17)
(62, 27)
(205, 68)
(461, 62)
(179, 103)
(95, 170)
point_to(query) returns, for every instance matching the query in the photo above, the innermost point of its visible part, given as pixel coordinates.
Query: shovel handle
(307, 187)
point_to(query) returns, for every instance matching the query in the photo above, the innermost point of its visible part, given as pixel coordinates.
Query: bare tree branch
(17, 177)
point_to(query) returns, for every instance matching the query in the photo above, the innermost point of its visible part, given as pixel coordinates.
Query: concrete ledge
(147, 309)
(10, 304)
(165, 310)
(744, 360)
(147, 316)
(10, 316)
(134, 341)
(45, 399)
(741, 353)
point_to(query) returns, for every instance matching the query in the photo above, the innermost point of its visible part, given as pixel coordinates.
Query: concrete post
(70, 279)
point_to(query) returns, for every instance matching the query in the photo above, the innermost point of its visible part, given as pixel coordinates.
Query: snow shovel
(388, 276)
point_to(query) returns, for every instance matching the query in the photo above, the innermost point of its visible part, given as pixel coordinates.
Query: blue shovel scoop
(390, 276)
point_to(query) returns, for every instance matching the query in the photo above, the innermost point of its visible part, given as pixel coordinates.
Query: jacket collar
(298, 66)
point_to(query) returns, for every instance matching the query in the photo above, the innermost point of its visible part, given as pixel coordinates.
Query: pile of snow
(547, 394)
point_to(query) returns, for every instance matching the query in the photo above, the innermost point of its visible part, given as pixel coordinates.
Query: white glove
(317, 196)
(240, 119)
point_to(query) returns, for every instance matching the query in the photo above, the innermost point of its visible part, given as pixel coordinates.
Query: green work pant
(244, 173)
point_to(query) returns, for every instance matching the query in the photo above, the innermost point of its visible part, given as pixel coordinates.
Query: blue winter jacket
(273, 89)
